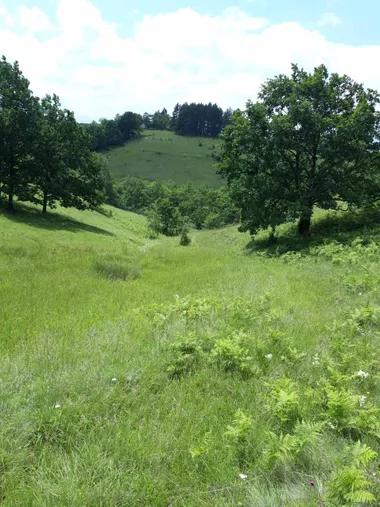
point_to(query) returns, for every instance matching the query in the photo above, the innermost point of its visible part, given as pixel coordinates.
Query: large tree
(311, 140)
(61, 156)
(18, 124)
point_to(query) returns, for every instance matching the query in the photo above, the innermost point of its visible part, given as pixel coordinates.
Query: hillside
(162, 155)
(138, 372)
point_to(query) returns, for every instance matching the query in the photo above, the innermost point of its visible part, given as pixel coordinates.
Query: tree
(112, 132)
(147, 120)
(227, 117)
(129, 125)
(18, 124)
(160, 120)
(98, 135)
(311, 140)
(175, 115)
(62, 152)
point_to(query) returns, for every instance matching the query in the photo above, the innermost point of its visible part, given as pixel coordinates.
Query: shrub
(185, 239)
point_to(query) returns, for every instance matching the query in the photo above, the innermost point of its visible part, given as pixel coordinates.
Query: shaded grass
(162, 156)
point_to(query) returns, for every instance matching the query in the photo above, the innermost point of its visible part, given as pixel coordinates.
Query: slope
(162, 155)
(137, 372)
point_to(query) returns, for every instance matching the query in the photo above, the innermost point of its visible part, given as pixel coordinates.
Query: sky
(104, 57)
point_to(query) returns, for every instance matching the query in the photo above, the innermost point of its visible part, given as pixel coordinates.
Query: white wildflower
(332, 426)
(316, 360)
(113, 379)
(57, 406)
(269, 356)
(243, 476)
(362, 399)
(362, 374)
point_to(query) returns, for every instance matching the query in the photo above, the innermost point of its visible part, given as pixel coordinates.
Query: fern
(349, 485)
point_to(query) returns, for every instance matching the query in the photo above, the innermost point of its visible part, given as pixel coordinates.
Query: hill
(230, 372)
(163, 155)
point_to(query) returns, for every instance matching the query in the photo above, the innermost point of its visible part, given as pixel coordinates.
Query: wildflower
(316, 360)
(243, 476)
(113, 380)
(362, 374)
(332, 426)
(362, 399)
(312, 483)
(57, 406)
(269, 356)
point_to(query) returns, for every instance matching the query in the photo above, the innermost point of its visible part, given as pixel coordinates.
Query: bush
(213, 221)
(185, 240)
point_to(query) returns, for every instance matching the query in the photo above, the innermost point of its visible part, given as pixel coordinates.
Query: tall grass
(220, 375)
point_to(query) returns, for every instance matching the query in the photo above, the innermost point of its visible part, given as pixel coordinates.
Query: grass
(138, 372)
(162, 155)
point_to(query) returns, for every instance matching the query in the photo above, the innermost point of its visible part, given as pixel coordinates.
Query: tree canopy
(311, 140)
(45, 155)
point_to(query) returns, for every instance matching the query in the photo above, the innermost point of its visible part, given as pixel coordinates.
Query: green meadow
(163, 155)
(137, 372)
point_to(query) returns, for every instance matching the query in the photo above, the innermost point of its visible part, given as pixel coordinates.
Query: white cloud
(34, 20)
(329, 18)
(5, 15)
(177, 56)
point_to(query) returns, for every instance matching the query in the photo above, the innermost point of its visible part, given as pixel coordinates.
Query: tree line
(168, 206)
(107, 134)
(200, 119)
(46, 157)
(187, 119)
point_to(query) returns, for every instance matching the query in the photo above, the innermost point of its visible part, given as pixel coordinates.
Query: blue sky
(359, 20)
(107, 56)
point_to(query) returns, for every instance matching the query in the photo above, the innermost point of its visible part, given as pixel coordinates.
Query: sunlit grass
(91, 414)
(162, 155)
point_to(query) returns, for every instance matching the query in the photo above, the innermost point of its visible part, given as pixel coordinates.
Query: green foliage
(199, 119)
(283, 399)
(311, 140)
(18, 127)
(240, 427)
(106, 134)
(168, 205)
(231, 355)
(349, 485)
(46, 156)
(185, 240)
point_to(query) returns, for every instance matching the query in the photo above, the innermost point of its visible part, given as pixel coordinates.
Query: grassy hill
(162, 155)
(137, 372)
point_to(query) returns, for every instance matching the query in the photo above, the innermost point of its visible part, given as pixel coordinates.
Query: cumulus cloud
(329, 18)
(171, 57)
(5, 16)
(34, 20)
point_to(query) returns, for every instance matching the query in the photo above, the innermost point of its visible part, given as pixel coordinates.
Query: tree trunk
(305, 220)
(11, 183)
(44, 204)
(10, 199)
